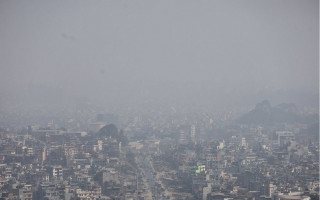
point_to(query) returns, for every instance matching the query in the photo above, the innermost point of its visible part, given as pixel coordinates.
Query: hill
(112, 131)
(265, 114)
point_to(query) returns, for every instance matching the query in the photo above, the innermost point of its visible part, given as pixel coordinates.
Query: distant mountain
(265, 114)
(112, 131)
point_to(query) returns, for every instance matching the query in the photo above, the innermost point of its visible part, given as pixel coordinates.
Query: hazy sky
(89, 46)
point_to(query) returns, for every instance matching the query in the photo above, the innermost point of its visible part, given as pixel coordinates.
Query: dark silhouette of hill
(109, 130)
(265, 114)
(112, 131)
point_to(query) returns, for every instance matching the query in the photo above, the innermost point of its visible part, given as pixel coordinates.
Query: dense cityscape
(165, 155)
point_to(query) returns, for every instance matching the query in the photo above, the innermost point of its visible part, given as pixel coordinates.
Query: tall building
(284, 137)
(193, 133)
(271, 189)
(44, 154)
(243, 142)
(57, 172)
(26, 192)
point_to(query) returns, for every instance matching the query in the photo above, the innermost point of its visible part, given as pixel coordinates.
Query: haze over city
(159, 100)
(218, 53)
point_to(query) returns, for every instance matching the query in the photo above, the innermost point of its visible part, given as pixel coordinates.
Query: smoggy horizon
(217, 53)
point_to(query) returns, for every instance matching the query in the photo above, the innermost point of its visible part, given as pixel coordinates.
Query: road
(149, 175)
